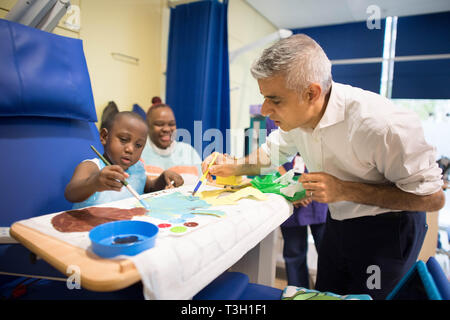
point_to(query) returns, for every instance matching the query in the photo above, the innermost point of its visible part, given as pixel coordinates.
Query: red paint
(191, 224)
(164, 225)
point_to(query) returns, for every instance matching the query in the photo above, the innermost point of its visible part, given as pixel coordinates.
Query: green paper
(266, 184)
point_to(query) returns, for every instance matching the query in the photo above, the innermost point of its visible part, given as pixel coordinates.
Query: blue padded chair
(137, 108)
(40, 156)
(47, 124)
(236, 286)
(44, 289)
(424, 281)
(439, 278)
(421, 282)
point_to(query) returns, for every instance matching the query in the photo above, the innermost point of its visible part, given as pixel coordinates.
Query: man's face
(286, 107)
(125, 141)
(161, 127)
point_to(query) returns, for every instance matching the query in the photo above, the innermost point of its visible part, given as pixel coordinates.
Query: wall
(130, 27)
(245, 25)
(61, 29)
(139, 28)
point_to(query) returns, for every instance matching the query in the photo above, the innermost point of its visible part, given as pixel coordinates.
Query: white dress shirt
(362, 137)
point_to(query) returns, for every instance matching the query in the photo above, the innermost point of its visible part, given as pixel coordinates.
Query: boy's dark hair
(108, 113)
(111, 120)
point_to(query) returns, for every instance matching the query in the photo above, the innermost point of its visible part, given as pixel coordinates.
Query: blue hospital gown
(136, 179)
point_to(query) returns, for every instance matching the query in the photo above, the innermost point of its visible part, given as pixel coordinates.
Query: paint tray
(122, 238)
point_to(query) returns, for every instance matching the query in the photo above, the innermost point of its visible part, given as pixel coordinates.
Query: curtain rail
(125, 56)
(397, 59)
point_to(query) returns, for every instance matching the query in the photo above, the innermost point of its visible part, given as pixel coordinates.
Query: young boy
(123, 139)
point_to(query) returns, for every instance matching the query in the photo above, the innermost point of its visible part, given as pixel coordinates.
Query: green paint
(178, 229)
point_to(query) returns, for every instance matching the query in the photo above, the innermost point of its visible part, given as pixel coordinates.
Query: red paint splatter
(164, 225)
(191, 224)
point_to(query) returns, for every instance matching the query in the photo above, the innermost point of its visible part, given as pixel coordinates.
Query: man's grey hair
(299, 59)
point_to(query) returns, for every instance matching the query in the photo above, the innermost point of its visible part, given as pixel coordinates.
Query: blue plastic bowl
(122, 238)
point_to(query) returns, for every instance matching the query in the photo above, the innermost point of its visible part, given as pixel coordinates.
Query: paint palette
(177, 214)
(177, 229)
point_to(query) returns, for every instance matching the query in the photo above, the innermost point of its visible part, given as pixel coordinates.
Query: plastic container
(122, 238)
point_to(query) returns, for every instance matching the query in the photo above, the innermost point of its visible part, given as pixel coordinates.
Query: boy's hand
(110, 177)
(171, 179)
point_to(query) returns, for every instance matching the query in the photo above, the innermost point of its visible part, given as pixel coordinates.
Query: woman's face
(162, 127)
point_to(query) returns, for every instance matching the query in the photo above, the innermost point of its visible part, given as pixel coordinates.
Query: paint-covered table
(179, 265)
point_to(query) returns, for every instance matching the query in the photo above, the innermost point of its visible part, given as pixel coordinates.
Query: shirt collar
(162, 152)
(335, 110)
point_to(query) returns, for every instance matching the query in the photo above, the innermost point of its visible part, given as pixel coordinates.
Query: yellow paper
(229, 181)
(212, 197)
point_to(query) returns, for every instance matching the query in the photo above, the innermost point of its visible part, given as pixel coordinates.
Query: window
(416, 74)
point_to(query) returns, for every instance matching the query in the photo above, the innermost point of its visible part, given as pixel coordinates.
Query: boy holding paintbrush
(96, 181)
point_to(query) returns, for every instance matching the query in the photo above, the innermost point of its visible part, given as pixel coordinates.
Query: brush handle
(100, 156)
(133, 192)
(197, 187)
(124, 182)
(204, 175)
(136, 195)
(209, 167)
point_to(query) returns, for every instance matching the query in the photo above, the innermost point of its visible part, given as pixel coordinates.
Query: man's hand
(304, 202)
(322, 187)
(325, 188)
(224, 166)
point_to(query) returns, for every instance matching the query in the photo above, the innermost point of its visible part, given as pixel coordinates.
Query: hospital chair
(47, 124)
(138, 109)
(236, 286)
(424, 281)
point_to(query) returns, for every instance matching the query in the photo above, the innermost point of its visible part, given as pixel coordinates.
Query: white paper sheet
(179, 267)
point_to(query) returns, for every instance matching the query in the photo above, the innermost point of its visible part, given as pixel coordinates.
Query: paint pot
(178, 229)
(122, 238)
(191, 224)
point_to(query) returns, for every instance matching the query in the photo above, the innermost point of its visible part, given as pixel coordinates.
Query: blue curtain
(352, 41)
(422, 35)
(197, 86)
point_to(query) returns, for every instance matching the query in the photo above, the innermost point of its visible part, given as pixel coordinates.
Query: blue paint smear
(188, 216)
(177, 220)
(175, 206)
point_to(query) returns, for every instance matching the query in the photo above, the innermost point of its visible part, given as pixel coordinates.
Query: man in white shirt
(367, 159)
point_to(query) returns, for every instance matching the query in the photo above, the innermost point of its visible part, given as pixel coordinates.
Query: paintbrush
(124, 182)
(205, 174)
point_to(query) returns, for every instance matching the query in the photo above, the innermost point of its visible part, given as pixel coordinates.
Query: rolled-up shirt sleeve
(403, 156)
(279, 147)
